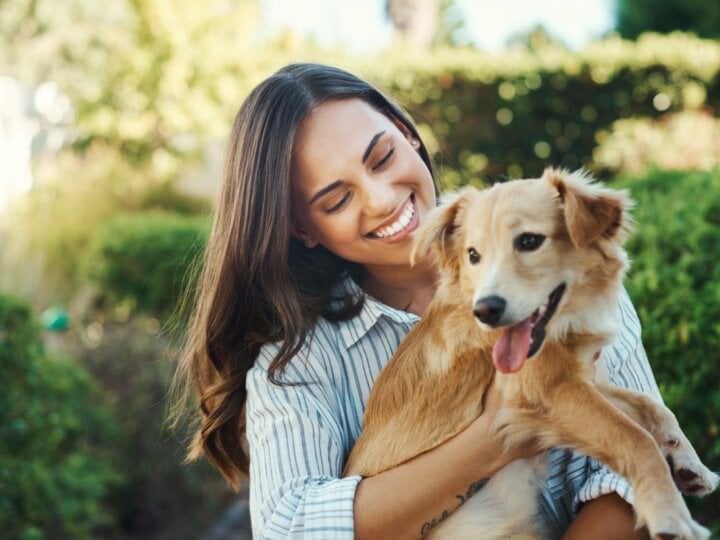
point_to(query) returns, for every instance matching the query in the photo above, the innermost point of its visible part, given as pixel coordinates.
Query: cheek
(336, 228)
(413, 167)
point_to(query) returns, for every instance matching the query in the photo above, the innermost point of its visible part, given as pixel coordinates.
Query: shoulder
(375, 331)
(313, 361)
(624, 362)
(627, 317)
(337, 363)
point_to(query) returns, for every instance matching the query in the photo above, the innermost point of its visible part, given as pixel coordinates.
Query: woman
(306, 292)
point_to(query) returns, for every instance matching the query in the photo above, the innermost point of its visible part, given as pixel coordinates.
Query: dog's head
(534, 258)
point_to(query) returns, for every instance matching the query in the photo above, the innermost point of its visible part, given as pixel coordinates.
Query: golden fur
(433, 386)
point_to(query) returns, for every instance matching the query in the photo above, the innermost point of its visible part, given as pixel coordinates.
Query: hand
(491, 443)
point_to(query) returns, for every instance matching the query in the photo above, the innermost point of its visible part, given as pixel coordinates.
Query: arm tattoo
(471, 490)
(430, 525)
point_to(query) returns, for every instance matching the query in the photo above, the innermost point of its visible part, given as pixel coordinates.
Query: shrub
(144, 258)
(512, 113)
(159, 496)
(54, 464)
(675, 284)
(45, 233)
(688, 140)
(636, 16)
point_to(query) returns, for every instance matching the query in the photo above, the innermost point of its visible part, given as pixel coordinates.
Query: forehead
(334, 137)
(334, 125)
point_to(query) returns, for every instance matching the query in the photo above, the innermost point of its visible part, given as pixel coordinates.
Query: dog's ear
(592, 212)
(436, 233)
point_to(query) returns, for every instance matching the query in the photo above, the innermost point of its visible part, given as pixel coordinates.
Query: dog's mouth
(523, 340)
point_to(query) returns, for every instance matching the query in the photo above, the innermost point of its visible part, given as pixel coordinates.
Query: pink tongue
(511, 349)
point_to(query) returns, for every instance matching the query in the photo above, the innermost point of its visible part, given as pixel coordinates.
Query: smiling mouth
(523, 340)
(400, 225)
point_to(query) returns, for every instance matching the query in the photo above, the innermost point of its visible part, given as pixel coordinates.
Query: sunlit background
(113, 120)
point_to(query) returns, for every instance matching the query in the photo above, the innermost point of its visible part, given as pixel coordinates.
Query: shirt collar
(372, 311)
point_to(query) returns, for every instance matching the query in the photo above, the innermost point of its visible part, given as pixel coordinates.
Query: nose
(490, 309)
(380, 198)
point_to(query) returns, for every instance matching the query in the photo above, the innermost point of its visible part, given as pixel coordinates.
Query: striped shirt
(299, 436)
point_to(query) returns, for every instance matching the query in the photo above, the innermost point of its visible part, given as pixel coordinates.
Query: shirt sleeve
(627, 366)
(297, 450)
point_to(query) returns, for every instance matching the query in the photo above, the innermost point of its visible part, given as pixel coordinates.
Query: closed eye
(339, 204)
(384, 160)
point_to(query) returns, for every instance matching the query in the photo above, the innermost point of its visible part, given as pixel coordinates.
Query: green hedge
(160, 497)
(675, 284)
(514, 113)
(55, 434)
(144, 258)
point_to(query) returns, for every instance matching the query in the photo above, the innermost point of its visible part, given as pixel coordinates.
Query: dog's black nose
(490, 309)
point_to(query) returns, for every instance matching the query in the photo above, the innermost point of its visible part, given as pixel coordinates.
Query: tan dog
(529, 269)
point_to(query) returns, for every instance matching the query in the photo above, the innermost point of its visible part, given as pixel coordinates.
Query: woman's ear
(305, 237)
(412, 139)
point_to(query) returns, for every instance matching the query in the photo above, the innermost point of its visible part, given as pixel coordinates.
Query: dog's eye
(529, 242)
(473, 255)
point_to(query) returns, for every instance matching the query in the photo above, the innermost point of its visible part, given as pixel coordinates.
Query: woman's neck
(411, 290)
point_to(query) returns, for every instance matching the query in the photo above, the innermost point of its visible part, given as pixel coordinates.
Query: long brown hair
(258, 284)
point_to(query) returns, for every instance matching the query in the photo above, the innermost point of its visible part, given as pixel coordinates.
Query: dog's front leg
(579, 416)
(691, 476)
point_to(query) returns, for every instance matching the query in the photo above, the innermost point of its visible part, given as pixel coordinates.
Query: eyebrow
(325, 190)
(372, 144)
(337, 183)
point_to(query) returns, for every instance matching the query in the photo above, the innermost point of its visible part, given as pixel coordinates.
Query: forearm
(410, 499)
(608, 517)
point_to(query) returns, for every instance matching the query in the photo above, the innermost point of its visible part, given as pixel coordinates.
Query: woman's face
(360, 186)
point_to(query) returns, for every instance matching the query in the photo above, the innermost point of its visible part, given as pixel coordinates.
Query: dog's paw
(667, 517)
(678, 529)
(690, 475)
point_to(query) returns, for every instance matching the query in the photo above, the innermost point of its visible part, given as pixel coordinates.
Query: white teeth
(402, 222)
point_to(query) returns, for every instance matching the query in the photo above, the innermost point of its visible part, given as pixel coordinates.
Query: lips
(399, 224)
(523, 340)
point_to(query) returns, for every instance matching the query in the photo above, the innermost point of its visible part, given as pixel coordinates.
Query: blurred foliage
(675, 284)
(56, 441)
(84, 450)
(535, 39)
(687, 140)
(145, 258)
(482, 116)
(702, 17)
(159, 496)
(75, 194)
(511, 114)
(156, 79)
(151, 83)
(143, 75)
(47, 232)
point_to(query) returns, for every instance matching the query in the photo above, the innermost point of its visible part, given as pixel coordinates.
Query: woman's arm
(410, 499)
(297, 449)
(607, 517)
